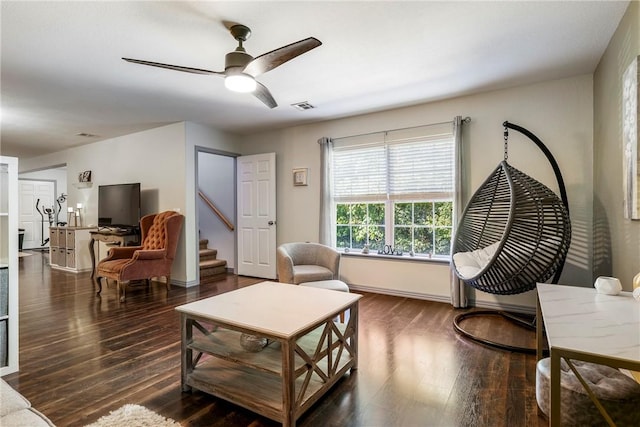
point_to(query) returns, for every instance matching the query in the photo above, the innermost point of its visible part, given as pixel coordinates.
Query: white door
(256, 182)
(29, 218)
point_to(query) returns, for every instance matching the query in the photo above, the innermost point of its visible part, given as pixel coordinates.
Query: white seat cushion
(468, 264)
(333, 285)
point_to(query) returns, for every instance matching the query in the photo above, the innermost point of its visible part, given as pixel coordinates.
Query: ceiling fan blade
(173, 67)
(263, 94)
(270, 60)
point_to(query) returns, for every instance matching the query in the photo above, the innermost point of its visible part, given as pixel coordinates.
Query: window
(395, 190)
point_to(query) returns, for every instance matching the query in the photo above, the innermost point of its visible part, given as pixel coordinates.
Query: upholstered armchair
(160, 233)
(307, 262)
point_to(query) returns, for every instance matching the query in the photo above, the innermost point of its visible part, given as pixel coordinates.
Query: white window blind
(408, 164)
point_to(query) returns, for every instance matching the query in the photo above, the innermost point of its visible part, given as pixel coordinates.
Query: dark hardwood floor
(82, 356)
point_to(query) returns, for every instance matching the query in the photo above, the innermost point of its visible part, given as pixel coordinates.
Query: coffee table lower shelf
(258, 391)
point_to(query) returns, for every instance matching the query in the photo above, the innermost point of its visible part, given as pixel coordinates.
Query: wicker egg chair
(514, 233)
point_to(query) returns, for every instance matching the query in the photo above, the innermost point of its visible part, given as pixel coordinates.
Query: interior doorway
(36, 207)
(41, 201)
(216, 204)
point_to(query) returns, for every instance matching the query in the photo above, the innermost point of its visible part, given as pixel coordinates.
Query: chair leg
(122, 286)
(98, 283)
(168, 283)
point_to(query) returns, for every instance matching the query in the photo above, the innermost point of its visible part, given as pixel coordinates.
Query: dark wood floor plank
(83, 355)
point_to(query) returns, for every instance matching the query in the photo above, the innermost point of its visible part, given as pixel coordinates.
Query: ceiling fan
(241, 69)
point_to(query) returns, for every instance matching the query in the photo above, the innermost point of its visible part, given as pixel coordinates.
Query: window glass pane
(423, 243)
(376, 213)
(358, 213)
(444, 214)
(402, 238)
(342, 214)
(376, 238)
(402, 214)
(422, 213)
(342, 236)
(443, 241)
(359, 236)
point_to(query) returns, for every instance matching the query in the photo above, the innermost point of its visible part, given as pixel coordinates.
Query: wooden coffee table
(308, 351)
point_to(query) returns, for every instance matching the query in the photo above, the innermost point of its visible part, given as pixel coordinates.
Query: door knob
(271, 223)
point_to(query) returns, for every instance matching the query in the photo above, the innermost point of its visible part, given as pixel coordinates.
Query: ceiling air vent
(304, 105)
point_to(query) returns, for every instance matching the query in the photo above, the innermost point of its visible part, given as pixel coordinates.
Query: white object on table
(608, 285)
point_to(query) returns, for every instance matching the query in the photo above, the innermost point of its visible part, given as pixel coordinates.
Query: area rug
(134, 416)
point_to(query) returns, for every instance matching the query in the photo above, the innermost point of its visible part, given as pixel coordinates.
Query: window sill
(436, 260)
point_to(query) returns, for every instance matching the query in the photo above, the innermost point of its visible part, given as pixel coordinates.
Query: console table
(114, 238)
(582, 324)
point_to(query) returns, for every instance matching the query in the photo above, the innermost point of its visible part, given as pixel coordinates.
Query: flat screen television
(119, 206)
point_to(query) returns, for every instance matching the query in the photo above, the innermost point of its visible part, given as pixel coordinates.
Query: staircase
(210, 265)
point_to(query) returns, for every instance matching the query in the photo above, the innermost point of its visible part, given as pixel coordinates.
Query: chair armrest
(285, 266)
(330, 258)
(149, 254)
(121, 252)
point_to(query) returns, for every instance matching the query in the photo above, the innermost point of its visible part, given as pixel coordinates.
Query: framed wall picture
(300, 176)
(84, 176)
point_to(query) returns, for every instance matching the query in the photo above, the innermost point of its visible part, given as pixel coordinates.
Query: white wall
(154, 158)
(617, 240)
(559, 112)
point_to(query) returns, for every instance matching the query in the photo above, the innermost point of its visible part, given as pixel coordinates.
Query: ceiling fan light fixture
(242, 83)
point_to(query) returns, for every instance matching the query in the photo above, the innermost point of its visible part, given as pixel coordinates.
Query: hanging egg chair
(514, 233)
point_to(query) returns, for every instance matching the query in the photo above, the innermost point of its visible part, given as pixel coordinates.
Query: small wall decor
(300, 176)
(631, 159)
(84, 176)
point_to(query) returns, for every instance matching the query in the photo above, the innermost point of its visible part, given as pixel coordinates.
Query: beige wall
(616, 240)
(161, 160)
(558, 112)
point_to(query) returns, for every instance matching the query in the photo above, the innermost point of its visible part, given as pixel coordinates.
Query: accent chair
(160, 233)
(300, 262)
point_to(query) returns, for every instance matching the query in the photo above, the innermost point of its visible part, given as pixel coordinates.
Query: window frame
(424, 194)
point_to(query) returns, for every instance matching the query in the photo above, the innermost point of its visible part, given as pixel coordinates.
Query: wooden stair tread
(208, 253)
(203, 243)
(212, 263)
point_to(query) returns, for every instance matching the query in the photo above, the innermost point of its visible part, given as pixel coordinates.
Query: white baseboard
(446, 299)
(184, 284)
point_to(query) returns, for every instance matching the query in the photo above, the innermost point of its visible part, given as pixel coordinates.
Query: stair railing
(216, 211)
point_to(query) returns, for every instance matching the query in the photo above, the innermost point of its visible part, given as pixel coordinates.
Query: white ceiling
(61, 72)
